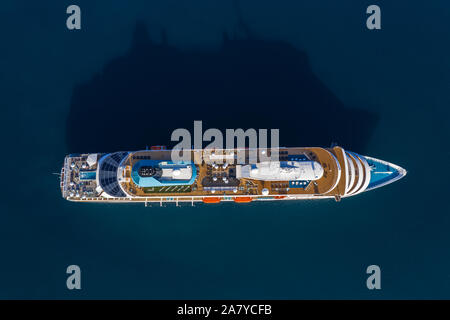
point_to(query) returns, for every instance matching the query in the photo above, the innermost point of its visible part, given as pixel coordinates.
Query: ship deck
(328, 184)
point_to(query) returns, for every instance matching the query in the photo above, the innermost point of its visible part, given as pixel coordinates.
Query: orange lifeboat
(211, 200)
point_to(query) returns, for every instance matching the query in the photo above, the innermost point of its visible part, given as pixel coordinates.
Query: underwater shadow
(138, 99)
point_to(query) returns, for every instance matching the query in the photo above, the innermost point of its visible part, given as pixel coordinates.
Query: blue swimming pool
(88, 175)
(156, 182)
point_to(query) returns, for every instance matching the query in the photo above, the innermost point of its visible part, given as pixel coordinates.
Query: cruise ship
(213, 176)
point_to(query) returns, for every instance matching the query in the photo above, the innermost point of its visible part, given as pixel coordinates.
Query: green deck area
(168, 189)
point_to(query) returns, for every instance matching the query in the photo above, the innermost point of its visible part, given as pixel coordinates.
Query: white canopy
(92, 159)
(281, 171)
(176, 174)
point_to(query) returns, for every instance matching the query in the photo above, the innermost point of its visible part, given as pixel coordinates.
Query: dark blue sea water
(139, 69)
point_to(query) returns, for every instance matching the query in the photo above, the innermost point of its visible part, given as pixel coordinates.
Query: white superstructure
(281, 170)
